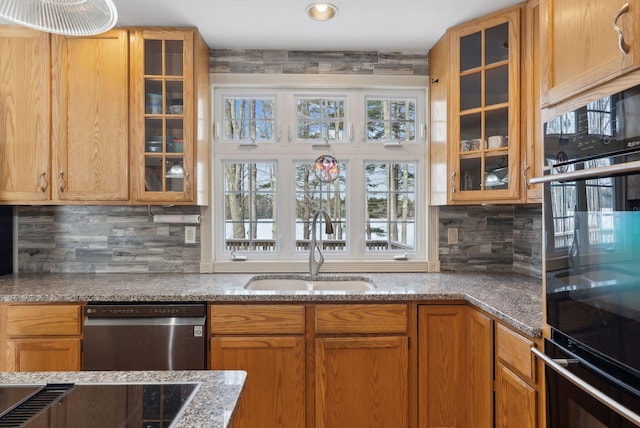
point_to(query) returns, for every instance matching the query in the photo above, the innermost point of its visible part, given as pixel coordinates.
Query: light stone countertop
(211, 406)
(512, 298)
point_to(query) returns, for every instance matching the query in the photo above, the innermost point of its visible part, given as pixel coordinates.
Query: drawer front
(256, 319)
(515, 351)
(43, 320)
(365, 318)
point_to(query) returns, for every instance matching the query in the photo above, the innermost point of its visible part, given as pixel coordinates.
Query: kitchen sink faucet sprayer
(316, 264)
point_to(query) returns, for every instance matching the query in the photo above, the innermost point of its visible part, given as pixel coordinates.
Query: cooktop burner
(94, 405)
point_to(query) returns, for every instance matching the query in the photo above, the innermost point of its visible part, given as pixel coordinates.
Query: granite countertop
(512, 298)
(211, 406)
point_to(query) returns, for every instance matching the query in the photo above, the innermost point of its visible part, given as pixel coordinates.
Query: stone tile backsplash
(254, 61)
(103, 239)
(115, 239)
(497, 238)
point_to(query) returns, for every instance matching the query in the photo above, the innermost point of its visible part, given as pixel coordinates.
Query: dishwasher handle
(131, 322)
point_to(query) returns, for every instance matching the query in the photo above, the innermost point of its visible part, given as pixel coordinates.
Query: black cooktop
(94, 405)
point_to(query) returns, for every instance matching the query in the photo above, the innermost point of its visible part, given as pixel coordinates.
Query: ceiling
(382, 25)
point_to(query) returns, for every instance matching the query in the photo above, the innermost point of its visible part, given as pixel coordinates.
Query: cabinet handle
(61, 181)
(624, 47)
(43, 181)
(525, 169)
(187, 184)
(453, 182)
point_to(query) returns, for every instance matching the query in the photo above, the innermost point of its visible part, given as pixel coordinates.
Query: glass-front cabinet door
(484, 149)
(163, 113)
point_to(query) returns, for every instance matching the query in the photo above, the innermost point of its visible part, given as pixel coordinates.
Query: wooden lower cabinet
(274, 392)
(518, 390)
(455, 367)
(515, 400)
(268, 342)
(369, 364)
(362, 382)
(44, 354)
(41, 337)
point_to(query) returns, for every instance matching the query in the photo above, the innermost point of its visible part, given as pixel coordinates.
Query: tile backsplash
(498, 238)
(103, 239)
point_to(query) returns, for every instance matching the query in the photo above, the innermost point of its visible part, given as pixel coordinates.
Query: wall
(498, 238)
(103, 239)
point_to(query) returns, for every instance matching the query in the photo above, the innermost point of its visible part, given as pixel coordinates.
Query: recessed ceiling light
(321, 11)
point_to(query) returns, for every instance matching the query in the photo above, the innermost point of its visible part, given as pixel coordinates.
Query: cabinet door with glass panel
(165, 89)
(485, 152)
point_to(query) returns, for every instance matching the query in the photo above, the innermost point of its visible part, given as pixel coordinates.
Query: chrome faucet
(316, 264)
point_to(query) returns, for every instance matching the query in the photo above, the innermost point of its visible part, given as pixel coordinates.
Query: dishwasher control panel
(138, 310)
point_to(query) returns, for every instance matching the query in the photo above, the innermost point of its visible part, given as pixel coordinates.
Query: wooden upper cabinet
(531, 123)
(485, 140)
(169, 116)
(582, 49)
(438, 121)
(90, 117)
(24, 114)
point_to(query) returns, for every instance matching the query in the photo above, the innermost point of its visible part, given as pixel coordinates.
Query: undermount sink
(335, 283)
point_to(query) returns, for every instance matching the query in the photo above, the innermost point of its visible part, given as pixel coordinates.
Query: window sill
(260, 266)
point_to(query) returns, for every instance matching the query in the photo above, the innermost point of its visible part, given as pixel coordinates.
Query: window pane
(391, 196)
(312, 195)
(320, 119)
(248, 119)
(250, 206)
(391, 120)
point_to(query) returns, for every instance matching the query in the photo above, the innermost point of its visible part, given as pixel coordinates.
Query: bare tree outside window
(390, 222)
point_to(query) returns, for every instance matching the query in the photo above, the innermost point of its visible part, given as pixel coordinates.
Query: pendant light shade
(68, 17)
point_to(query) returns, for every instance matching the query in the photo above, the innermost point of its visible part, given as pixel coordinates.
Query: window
(320, 119)
(249, 206)
(266, 189)
(391, 120)
(390, 212)
(249, 119)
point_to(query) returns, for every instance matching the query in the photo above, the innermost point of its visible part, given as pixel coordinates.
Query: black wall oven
(592, 264)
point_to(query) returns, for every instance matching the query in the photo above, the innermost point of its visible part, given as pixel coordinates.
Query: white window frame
(355, 151)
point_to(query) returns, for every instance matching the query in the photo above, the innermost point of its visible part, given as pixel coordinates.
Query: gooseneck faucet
(316, 264)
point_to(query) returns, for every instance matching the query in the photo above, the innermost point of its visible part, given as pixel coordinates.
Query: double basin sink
(309, 283)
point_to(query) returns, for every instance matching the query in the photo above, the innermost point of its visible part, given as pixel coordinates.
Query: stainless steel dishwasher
(144, 336)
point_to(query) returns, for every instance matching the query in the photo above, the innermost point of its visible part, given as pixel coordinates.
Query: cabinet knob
(624, 47)
(43, 181)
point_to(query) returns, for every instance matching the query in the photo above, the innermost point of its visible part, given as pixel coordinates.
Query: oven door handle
(557, 366)
(602, 171)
